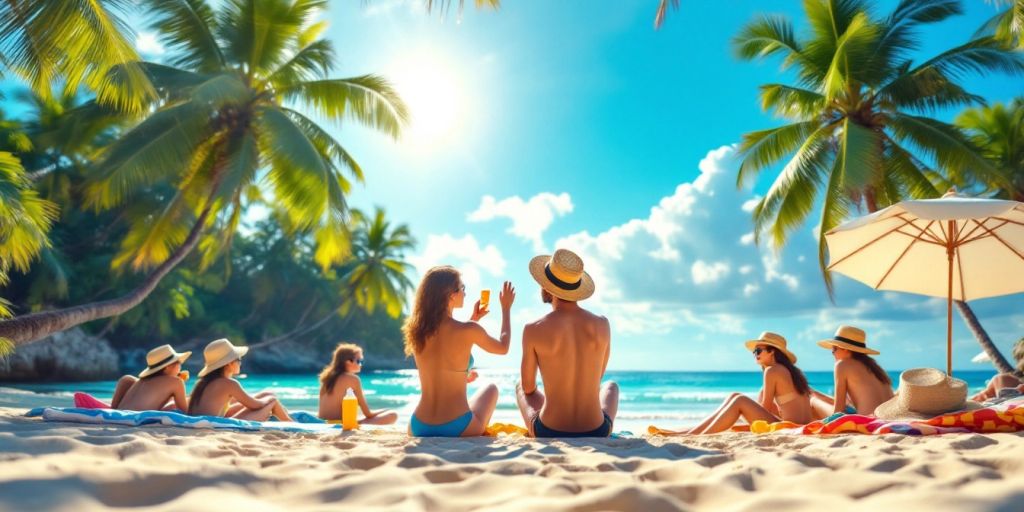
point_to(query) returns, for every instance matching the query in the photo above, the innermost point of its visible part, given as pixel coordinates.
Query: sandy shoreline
(64, 466)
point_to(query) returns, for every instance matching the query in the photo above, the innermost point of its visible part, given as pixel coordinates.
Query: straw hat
(850, 338)
(772, 340)
(160, 358)
(925, 393)
(562, 275)
(219, 353)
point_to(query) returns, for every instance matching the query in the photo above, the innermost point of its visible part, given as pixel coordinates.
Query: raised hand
(478, 312)
(508, 296)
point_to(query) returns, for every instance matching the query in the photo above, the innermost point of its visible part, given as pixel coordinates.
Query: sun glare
(433, 91)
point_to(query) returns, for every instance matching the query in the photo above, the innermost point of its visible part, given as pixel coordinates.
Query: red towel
(87, 401)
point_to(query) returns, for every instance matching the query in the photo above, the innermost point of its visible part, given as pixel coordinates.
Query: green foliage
(998, 132)
(860, 111)
(222, 113)
(76, 42)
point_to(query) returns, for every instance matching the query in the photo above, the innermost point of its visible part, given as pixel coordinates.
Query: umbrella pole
(949, 300)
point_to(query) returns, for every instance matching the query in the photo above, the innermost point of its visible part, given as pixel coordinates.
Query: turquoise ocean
(666, 399)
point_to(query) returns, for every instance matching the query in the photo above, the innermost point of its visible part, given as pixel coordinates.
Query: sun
(433, 91)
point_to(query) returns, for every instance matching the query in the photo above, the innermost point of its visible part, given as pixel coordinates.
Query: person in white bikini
(784, 396)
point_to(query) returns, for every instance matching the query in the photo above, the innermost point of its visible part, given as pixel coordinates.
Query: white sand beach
(75, 467)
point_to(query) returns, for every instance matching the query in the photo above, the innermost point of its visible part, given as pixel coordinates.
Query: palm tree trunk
(25, 329)
(984, 340)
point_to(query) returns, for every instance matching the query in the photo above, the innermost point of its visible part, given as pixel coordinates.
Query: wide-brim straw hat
(219, 353)
(925, 393)
(161, 357)
(772, 340)
(561, 274)
(850, 338)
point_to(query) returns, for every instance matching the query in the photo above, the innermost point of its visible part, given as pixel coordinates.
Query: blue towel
(172, 419)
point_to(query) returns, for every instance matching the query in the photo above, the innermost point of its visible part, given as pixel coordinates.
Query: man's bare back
(570, 346)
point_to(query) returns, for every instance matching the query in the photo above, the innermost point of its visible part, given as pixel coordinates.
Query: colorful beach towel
(170, 419)
(998, 418)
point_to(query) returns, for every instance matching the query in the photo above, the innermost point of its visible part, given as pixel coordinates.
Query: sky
(577, 125)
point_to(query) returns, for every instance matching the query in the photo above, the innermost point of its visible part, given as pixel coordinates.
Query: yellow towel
(504, 428)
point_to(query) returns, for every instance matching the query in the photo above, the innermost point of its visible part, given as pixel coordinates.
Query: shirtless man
(857, 376)
(570, 346)
(157, 387)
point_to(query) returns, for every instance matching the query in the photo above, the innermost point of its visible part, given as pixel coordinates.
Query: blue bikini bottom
(453, 428)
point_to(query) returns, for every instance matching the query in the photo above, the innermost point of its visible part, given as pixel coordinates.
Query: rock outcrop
(66, 356)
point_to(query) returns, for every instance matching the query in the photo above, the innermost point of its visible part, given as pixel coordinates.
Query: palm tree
(25, 217)
(376, 276)
(1007, 26)
(226, 134)
(998, 132)
(859, 114)
(74, 43)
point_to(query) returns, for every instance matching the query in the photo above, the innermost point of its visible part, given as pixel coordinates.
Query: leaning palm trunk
(25, 329)
(984, 340)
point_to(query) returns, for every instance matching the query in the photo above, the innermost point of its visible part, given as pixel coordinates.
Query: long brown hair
(799, 379)
(872, 366)
(431, 306)
(197, 392)
(342, 353)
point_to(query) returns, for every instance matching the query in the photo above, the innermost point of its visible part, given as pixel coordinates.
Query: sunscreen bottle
(349, 410)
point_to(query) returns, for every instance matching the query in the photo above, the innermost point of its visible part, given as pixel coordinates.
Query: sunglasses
(462, 288)
(759, 350)
(358, 361)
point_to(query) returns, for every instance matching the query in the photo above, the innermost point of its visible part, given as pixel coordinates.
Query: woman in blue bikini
(441, 346)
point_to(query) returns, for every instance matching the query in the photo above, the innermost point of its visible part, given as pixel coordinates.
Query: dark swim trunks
(539, 430)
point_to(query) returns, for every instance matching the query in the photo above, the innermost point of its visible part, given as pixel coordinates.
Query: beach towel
(170, 419)
(999, 418)
(87, 401)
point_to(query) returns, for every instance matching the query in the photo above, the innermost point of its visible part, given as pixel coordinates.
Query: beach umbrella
(954, 247)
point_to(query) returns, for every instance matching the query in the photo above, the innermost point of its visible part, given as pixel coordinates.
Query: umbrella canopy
(955, 247)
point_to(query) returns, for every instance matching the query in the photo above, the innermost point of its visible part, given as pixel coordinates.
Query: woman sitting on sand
(218, 394)
(158, 387)
(857, 376)
(784, 396)
(339, 377)
(442, 348)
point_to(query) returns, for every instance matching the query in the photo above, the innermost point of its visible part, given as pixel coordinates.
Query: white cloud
(708, 273)
(465, 254)
(147, 44)
(530, 218)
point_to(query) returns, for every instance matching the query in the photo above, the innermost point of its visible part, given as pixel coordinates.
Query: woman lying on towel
(999, 382)
(784, 396)
(218, 394)
(861, 384)
(161, 386)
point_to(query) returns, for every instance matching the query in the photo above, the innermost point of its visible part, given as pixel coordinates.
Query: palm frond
(152, 238)
(188, 28)
(766, 36)
(151, 152)
(77, 41)
(368, 99)
(765, 147)
(856, 44)
(789, 200)
(791, 102)
(944, 143)
(311, 62)
(330, 148)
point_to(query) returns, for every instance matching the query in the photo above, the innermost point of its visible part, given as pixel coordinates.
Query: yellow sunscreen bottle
(349, 410)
